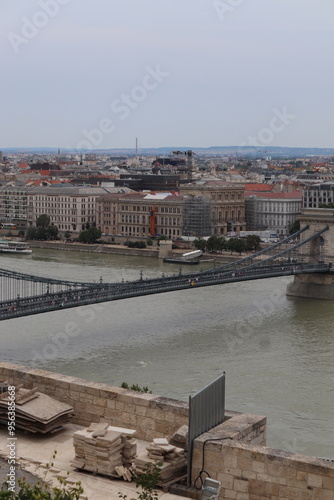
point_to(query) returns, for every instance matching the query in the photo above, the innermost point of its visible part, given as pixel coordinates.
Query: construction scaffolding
(197, 217)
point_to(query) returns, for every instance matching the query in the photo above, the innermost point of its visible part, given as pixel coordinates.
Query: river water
(277, 352)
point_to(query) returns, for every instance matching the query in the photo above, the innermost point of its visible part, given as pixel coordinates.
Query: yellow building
(140, 214)
(227, 203)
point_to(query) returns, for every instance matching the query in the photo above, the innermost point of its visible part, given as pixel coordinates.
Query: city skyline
(203, 73)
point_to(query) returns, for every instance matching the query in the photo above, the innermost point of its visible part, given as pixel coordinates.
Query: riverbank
(96, 248)
(124, 250)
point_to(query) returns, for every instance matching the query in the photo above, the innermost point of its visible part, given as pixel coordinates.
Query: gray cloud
(226, 75)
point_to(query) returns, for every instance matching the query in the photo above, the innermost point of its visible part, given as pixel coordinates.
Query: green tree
(212, 244)
(252, 242)
(43, 221)
(43, 229)
(31, 233)
(52, 232)
(200, 244)
(42, 233)
(236, 245)
(221, 244)
(90, 235)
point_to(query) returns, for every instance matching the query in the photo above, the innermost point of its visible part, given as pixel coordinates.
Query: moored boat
(19, 247)
(180, 261)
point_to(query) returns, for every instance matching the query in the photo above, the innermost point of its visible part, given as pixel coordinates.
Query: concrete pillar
(165, 248)
(321, 249)
(312, 286)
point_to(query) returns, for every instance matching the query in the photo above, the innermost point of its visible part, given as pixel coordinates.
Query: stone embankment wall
(233, 452)
(152, 416)
(248, 470)
(97, 248)
(119, 249)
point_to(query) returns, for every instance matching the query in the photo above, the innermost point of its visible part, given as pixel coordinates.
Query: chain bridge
(23, 294)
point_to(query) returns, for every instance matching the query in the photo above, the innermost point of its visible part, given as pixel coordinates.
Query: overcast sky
(192, 73)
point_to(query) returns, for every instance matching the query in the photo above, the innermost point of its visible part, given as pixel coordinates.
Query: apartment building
(227, 204)
(318, 194)
(14, 206)
(70, 208)
(270, 210)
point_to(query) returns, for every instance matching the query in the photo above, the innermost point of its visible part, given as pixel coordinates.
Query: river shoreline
(124, 250)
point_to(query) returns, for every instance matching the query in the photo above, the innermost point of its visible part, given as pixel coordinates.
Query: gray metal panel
(206, 410)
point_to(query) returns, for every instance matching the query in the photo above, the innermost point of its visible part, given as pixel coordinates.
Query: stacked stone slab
(100, 448)
(35, 411)
(172, 460)
(129, 450)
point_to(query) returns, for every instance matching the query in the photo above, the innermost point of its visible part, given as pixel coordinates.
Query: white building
(70, 208)
(274, 211)
(318, 194)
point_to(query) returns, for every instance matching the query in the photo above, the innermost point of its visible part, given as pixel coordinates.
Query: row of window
(279, 207)
(161, 220)
(144, 208)
(227, 196)
(65, 199)
(137, 231)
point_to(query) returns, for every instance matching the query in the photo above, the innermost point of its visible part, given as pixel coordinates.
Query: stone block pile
(172, 459)
(105, 450)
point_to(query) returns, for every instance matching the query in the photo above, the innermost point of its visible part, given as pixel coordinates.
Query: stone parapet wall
(249, 472)
(233, 453)
(152, 416)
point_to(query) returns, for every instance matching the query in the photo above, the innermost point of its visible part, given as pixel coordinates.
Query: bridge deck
(23, 294)
(105, 293)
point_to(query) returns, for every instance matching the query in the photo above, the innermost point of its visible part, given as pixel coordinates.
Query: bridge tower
(321, 249)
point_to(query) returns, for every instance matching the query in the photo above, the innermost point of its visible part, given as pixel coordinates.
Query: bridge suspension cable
(25, 294)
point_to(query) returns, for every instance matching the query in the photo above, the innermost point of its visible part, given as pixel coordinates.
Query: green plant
(41, 491)
(135, 387)
(90, 235)
(135, 244)
(148, 481)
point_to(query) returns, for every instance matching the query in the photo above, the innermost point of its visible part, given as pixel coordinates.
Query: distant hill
(248, 151)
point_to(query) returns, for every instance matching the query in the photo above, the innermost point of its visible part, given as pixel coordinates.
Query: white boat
(7, 246)
(192, 255)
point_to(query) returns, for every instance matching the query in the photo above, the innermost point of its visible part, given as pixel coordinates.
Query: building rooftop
(258, 187)
(68, 189)
(279, 196)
